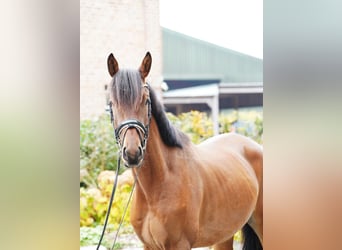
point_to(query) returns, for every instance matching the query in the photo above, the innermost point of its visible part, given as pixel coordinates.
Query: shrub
(94, 202)
(197, 125)
(249, 124)
(98, 148)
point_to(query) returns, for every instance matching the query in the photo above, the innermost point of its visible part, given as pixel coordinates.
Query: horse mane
(170, 135)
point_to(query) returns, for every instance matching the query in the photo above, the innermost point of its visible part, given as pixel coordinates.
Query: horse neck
(156, 164)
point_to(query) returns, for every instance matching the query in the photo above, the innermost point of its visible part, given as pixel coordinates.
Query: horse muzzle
(132, 157)
(134, 136)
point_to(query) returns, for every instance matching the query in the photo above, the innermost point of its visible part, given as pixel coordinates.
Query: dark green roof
(185, 57)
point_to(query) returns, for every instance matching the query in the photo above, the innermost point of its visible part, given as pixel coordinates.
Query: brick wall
(126, 28)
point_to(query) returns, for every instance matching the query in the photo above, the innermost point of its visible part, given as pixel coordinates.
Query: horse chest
(153, 231)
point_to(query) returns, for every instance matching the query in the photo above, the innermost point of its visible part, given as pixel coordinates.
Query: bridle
(143, 130)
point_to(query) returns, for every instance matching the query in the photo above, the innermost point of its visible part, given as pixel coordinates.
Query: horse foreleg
(227, 245)
(182, 244)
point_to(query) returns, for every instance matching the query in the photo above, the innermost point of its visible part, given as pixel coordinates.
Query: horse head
(130, 108)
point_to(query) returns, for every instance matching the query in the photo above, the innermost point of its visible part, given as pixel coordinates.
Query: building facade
(128, 29)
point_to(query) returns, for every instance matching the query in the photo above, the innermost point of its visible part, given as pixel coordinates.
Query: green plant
(259, 126)
(227, 121)
(246, 123)
(94, 204)
(98, 149)
(197, 125)
(91, 236)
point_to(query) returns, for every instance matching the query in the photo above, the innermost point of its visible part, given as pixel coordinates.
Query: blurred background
(40, 107)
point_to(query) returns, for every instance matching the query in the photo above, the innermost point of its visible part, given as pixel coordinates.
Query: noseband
(143, 130)
(128, 124)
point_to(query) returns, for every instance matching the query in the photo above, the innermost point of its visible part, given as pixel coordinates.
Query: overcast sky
(237, 25)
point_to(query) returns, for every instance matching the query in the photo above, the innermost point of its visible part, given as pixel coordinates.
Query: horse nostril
(124, 153)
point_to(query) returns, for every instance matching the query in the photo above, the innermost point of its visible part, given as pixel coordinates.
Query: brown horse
(186, 195)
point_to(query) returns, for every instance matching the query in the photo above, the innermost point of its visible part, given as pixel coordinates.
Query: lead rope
(110, 206)
(110, 202)
(124, 213)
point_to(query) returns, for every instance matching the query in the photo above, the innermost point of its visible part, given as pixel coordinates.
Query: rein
(143, 132)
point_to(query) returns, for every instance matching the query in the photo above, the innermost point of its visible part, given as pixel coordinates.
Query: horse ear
(112, 64)
(146, 65)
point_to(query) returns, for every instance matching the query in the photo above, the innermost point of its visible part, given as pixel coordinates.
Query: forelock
(126, 88)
